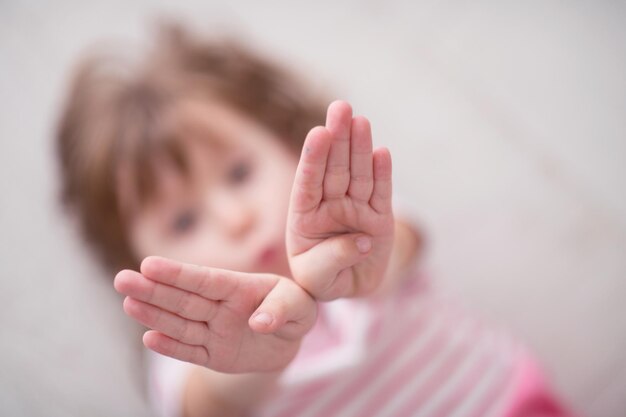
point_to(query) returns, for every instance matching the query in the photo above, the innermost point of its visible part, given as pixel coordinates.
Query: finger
(183, 303)
(211, 283)
(361, 171)
(381, 194)
(307, 189)
(340, 253)
(287, 310)
(338, 123)
(167, 346)
(176, 327)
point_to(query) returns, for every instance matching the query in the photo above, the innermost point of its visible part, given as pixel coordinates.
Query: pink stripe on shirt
(351, 383)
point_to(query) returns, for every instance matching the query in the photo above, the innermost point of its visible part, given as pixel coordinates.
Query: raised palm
(340, 224)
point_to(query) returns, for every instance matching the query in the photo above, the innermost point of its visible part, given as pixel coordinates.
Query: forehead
(220, 127)
(189, 136)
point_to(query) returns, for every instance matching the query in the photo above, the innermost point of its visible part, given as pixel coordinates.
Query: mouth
(268, 256)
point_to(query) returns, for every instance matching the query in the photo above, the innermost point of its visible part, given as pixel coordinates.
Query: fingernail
(363, 244)
(263, 318)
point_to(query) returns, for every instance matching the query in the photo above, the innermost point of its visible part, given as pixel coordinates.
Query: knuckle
(306, 195)
(183, 304)
(307, 279)
(152, 289)
(337, 170)
(183, 331)
(362, 179)
(204, 287)
(279, 308)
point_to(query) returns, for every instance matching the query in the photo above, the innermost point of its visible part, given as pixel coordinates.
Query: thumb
(287, 310)
(323, 269)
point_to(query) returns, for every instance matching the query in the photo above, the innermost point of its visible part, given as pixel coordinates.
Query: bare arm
(408, 248)
(208, 393)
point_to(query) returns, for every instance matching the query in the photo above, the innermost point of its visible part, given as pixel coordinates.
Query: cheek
(191, 248)
(278, 190)
(144, 240)
(203, 248)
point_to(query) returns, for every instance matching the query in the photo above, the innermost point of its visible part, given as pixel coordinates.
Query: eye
(184, 221)
(239, 172)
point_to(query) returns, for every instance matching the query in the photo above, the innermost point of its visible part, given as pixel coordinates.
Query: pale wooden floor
(507, 125)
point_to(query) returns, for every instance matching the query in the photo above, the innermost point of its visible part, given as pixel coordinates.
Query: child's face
(230, 212)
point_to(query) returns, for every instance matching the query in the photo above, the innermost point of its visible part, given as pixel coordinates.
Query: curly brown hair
(120, 112)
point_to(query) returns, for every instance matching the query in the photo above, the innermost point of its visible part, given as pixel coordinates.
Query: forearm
(407, 249)
(208, 393)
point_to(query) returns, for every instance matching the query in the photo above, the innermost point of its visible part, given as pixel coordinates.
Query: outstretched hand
(227, 321)
(340, 224)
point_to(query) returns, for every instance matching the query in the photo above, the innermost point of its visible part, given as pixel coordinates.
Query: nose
(234, 215)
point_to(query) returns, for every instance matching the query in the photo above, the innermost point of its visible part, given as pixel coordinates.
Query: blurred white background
(507, 122)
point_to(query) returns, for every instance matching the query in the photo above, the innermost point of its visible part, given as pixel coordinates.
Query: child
(193, 156)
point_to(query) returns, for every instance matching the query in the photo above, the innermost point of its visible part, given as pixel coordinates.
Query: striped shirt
(414, 353)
